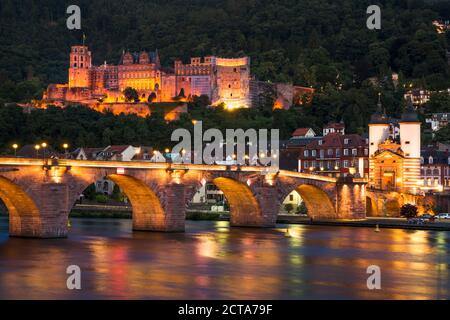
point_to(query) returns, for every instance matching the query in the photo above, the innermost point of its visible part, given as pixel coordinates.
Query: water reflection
(211, 260)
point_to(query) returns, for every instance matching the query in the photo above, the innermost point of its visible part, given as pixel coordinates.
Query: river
(213, 261)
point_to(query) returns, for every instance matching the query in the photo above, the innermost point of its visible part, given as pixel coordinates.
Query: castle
(223, 80)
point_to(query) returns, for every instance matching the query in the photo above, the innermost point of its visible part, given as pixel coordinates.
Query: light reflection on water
(211, 261)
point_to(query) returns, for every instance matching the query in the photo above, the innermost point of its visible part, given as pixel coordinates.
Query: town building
(438, 121)
(435, 170)
(334, 154)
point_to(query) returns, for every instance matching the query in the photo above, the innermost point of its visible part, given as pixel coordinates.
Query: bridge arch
(319, 197)
(24, 215)
(148, 212)
(244, 207)
(317, 201)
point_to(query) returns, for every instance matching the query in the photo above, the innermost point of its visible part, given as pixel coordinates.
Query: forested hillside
(319, 43)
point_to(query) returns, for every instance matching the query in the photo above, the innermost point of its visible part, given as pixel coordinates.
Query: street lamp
(44, 146)
(65, 147)
(37, 147)
(15, 146)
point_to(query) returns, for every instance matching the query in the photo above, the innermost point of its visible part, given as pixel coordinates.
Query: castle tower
(80, 65)
(233, 82)
(378, 133)
(410, 144)
(378, 128)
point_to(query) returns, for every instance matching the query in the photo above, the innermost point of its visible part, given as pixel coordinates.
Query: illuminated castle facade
(226, 81)
(222, 80)
(394, 156)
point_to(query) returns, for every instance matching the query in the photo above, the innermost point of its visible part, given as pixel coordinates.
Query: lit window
(345, 152)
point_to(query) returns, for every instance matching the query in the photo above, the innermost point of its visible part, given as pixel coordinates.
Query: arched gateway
(39, 194)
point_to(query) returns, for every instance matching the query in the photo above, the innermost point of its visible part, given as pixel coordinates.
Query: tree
(289, 207)
(408, 210)
(131, 95)
(301, 209)
(443, 135)
(152, 97)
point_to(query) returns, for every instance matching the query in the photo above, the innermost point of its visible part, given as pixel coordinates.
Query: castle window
(82, 65)
(82, 58)
(235, 70)
(371, 143)
(430, 160)
(75, 58)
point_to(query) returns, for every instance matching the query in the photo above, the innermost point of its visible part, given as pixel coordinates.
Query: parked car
(426, 216)
(443, 216)
(417, 221)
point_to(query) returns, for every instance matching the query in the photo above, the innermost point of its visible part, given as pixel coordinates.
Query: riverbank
(125, 214)
(387, 223)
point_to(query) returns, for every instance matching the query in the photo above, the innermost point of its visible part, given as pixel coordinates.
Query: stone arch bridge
(40, 193)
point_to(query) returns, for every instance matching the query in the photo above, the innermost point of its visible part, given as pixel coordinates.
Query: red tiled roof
(335, 125)
(337, 140)
(300, 132)
(116, 149)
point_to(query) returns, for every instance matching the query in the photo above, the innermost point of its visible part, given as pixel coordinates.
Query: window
(407, 142)
(345, 163)
(305, 164)
(422, 160)
(354, 152)
(430, 160)
(330, 152)
(346, 141)
(338, 152)
(291, 197)
(306, 153)
(345, 152)
(313, 154)
(366, 152)
(320, 142)
(322, 153)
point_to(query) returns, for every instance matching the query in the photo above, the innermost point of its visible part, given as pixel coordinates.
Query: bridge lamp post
(15, 146)
(37, 147)
(44, 146)
(65, 147)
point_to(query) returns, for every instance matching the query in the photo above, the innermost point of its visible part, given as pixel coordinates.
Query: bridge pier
(172, 216)
(262, 214)
(47, 217)
(351, 199)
